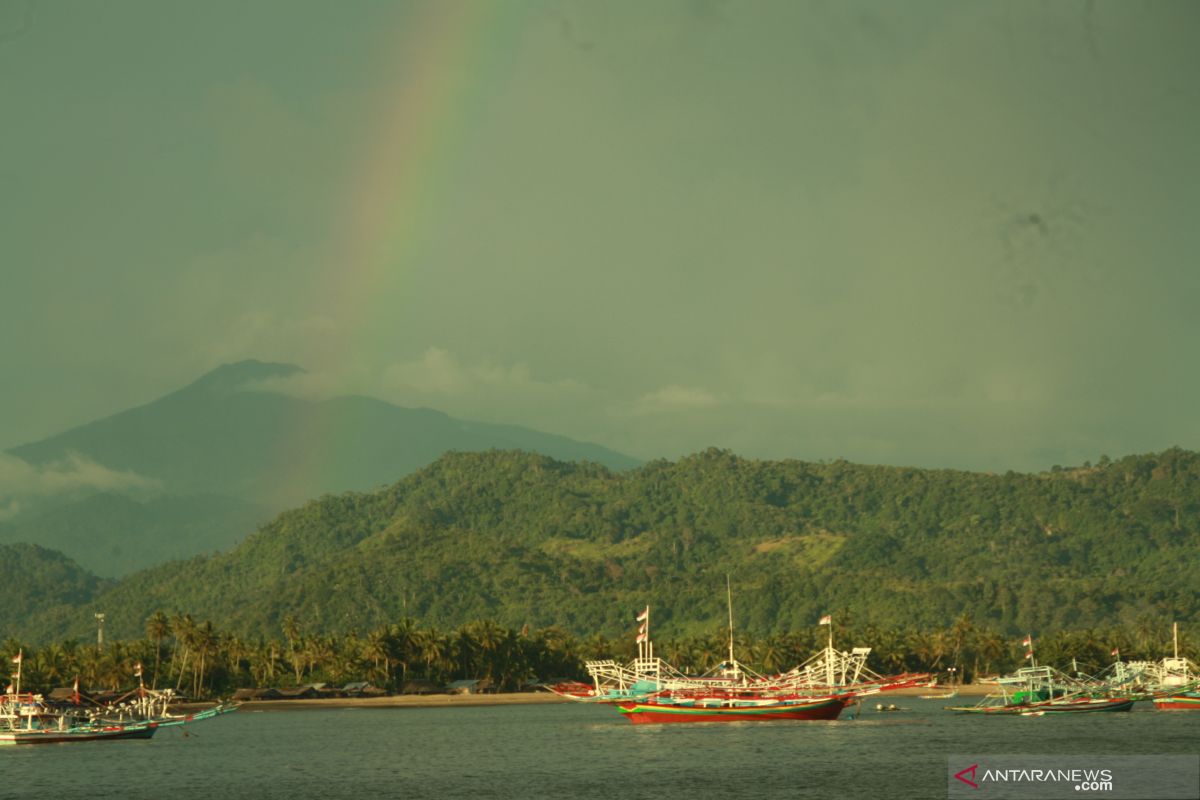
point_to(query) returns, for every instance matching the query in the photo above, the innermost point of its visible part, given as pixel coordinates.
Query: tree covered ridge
(202, 660)
(527, 540)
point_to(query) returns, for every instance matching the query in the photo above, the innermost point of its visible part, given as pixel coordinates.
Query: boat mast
(729, 601)
(1175, 637)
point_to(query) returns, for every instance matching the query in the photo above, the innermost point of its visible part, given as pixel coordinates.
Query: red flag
(17, 658)
(1029, 654)
(1116, 651)
(645, 615)
(1028, 642)
(137, 670)
(825, 620)
(76, 698)
(641, 637)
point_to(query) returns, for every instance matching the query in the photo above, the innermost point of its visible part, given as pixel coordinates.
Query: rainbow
(448, 58)
(441, 65)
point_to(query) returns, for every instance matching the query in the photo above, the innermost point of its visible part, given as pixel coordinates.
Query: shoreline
(406, 701)
(507, 699)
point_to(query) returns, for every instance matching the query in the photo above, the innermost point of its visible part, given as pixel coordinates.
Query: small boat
(667, 710)
(1062, 705)
(30, 719)
(1036, 691)
(1074, 705)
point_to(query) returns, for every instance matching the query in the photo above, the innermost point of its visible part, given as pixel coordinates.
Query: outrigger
(27, 718)
(1036, 691)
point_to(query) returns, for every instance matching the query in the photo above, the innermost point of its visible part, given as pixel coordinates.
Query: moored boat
(670, 710)
(1186, 700)
(30, 719)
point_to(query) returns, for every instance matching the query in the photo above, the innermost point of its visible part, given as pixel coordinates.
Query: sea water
(565, 751)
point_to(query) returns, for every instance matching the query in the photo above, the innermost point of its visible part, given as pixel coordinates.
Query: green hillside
(244, 454)
(34, 579)
(112, 534)
(524, 539)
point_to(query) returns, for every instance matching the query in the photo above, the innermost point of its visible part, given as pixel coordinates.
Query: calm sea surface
(565, 751)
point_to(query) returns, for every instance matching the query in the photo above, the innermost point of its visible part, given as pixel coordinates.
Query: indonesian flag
(1116, 651)
(1028, 642)
(825, 620)
(1029, 654)
(137, 670)
(17, 658)
(76, 698)
(8, 689)
(642, 629)
(645, 615)
(642, 637)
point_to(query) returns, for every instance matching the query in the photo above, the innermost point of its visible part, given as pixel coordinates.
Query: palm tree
(183, 628)
(265, 663)
(375, 648)
(991, 650)
(158, 627)
(433, 648)
(205, 644)
(291, 632)
(403, 640)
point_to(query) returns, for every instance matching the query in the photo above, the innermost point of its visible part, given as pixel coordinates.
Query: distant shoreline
(508, 699)
(407, 701)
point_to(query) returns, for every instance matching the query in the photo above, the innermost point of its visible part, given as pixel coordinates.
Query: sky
(940, 234)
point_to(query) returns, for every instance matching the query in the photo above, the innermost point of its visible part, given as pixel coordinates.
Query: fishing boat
(1178, 682)
(1036, 691)
(1185, 700)
(715, 709)
(651, 691)
(830, 672)
(27, 718)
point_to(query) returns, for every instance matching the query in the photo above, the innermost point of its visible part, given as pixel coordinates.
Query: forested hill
(34, 579)
(231, 445)
(524, 539)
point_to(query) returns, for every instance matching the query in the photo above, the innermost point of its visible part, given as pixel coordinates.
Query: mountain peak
(231, 377)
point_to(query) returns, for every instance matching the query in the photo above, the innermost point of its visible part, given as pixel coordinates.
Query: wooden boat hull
(827, 708)
(1074, 707)
(50, 736)
(1091, 705)
(1179, 702)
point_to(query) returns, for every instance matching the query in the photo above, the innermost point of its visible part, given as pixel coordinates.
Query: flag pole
(729, 602)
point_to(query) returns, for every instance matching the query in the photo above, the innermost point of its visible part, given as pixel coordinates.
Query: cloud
(671, 399)
(440, 372)
(20, 480)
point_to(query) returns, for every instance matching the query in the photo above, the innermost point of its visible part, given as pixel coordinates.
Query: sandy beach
(970, 690)
(407, 701)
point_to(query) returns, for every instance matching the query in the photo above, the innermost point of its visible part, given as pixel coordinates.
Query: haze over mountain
(524, 539)
(207, 463)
